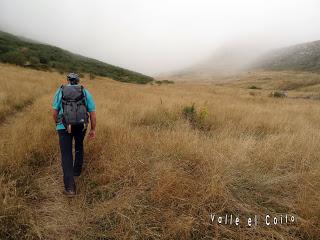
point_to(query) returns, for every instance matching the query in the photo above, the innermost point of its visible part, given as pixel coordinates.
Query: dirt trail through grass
(58, 216)
(35, 172)
(32, 205)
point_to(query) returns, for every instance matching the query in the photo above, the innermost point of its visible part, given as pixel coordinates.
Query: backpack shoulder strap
(84, 95)
(83, 91)
(61, 89)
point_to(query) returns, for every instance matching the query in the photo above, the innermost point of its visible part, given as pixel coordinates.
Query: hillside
(237, 58)
(28, 53)
(301, 57)
(227, 60)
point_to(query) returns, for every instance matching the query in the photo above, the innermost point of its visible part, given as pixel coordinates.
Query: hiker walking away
(73, 106)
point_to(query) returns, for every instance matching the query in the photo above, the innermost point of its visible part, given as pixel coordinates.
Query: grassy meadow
(164, 159)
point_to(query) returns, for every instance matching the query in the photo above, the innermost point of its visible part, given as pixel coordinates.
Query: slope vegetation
(36, 55)
(232, 60)
(301, 57)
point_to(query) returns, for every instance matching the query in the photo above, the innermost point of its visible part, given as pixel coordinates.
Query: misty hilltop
(301, 57)
(247, 57)
(32, 54)
(230, 58)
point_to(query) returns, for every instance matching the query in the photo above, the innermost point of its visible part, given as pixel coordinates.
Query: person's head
(73, 78)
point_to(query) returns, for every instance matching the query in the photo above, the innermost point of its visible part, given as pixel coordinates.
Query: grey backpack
(74, 105)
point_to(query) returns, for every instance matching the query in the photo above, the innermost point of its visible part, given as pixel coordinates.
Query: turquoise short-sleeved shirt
(57, 104)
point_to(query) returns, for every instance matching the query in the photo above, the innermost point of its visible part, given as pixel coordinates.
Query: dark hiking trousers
(70, 167)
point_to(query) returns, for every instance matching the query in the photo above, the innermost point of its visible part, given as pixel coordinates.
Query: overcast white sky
(153, 36)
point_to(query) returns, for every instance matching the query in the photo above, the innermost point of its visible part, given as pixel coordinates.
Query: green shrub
(14, 57)
(197, 119)
(159, 82)
(254, 87)
(92, 76)
(167, 82)
(189, 112)
(278, 94)
(35, 61)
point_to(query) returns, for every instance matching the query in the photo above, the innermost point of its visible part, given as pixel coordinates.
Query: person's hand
(92, 134)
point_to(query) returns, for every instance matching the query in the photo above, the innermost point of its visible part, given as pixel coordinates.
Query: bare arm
(93, 121)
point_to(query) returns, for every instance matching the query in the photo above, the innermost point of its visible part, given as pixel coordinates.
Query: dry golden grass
(154, 172)
(19, 88)
(299, 84)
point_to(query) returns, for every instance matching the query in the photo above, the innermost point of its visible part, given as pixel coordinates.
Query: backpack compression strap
(61, 89)
(82, 90)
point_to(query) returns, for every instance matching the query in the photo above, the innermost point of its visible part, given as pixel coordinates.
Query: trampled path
(54, 216)
(58, 217)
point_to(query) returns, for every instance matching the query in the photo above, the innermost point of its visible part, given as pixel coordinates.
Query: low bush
(254, 87)
(196, 118)
(278, 94)
(159, 82)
